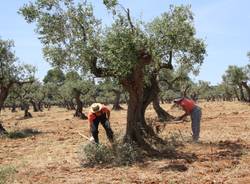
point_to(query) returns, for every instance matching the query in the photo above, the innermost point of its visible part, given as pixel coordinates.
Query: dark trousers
(106, 125)
(196, 120)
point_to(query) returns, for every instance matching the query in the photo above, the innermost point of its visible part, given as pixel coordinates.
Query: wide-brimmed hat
(177, 100)
(95, 107)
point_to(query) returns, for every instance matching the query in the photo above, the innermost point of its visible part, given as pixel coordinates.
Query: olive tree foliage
(73, 37)
(30, 93)
(176, 51)
(54, 75)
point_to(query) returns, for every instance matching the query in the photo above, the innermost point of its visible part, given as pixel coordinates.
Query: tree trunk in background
(244, 83)
(79, 105)
(13, 107)
(33, 103)
(116, 105)
(242, 96)
(4, 91)
(236, 94)
(27, 114)
(40, 106)
(2, 129)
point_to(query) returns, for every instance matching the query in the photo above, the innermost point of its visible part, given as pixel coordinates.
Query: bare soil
(221, 156)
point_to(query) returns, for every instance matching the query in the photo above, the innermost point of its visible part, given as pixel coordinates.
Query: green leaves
(234, 75)
(110, 3)
(10, 70)
(30, 12)
(174, 31)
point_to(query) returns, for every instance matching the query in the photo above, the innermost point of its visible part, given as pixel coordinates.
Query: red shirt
(187, 104)
(92, 116)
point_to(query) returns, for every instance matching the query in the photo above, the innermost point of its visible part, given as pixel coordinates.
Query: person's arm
(106, 111)
(181, 117)
(108, 114)
(90, 121)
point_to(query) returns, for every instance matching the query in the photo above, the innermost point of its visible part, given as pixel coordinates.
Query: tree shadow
(174, 167)
(17, 134)
(222, 150)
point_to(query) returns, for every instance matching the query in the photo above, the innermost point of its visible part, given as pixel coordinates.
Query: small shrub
(119, 154)
(96, 154)
(6, 174)
(126, 154)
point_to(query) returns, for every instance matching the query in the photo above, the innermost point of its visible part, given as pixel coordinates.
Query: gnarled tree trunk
(161, 113)
(137, 130)
(151, 94)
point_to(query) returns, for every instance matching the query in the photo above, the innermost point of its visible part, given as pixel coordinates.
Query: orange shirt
(92, 116)
(187, 104)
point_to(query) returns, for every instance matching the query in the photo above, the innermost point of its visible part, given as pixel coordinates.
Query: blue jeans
(106, 125)
(196, 119)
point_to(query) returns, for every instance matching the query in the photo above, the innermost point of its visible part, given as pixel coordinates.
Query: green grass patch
(6, 174)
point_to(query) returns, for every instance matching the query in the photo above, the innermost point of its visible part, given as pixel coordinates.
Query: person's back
(187, 104)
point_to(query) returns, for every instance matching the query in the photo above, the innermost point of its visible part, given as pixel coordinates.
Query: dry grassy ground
(222, 156)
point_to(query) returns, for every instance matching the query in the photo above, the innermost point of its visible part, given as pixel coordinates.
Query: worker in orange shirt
(194, 111)
(99, 113)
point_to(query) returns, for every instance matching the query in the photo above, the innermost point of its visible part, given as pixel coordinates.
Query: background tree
(55, 76)
(234, 76)
(10, 72)
(112, 91)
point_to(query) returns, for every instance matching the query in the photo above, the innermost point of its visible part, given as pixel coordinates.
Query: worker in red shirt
(99, 113)
(194, 111)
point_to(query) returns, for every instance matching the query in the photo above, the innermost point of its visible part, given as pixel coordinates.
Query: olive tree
(11, 72)
(234, 76)
(126, 50)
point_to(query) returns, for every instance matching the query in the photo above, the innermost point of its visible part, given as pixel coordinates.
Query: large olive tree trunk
(137, 130)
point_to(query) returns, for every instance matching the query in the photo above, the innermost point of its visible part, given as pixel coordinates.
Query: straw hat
(95, 107)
